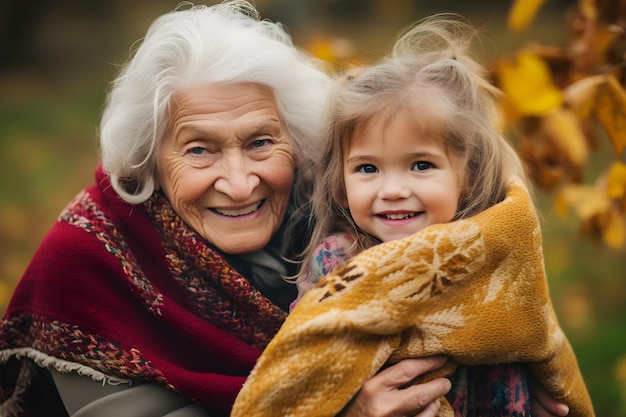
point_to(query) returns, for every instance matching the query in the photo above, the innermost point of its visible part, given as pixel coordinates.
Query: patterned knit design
(329, 254)
(217, 288)
(69, 343)
(490, 390)
(82, 212)
(497, 390)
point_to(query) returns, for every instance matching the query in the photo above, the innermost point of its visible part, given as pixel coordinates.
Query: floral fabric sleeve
(332, 252)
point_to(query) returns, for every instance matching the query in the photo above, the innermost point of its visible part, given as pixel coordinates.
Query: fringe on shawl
(46, 361)
(14, 405)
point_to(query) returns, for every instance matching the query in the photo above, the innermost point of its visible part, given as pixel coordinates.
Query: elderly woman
(158, 287)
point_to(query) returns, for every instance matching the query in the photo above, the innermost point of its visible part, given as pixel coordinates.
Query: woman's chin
(237, 245)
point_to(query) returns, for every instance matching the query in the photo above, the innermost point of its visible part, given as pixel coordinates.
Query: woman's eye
(421, 166)
(197, 150)
(259, 143)
(367, 169)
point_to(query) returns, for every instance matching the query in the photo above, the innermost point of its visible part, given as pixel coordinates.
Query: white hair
(193, 45)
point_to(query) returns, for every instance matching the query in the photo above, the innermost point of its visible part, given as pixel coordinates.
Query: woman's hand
(543, 404)
(384, 394)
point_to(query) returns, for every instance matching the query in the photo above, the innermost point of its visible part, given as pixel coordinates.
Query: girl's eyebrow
(415, 155)
(361, 157)
(427, 155)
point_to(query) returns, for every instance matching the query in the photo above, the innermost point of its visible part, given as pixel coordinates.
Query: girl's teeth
(399, 216)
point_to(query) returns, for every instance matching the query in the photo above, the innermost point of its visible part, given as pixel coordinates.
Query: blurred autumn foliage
(560, 63)
(561, 100)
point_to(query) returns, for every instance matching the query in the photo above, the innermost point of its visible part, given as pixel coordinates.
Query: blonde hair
(429, 76)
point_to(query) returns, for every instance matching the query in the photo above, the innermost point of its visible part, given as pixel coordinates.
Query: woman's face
(226, 164)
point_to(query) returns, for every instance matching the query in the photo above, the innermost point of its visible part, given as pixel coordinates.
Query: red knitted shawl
(129, 292)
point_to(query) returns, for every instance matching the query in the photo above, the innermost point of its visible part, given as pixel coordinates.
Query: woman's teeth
(239, 212)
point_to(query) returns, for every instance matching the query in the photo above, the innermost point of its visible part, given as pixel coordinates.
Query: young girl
(412, 142)
(413, 145)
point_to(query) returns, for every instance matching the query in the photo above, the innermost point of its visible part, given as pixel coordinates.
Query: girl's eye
(421, 166)
(367, 169)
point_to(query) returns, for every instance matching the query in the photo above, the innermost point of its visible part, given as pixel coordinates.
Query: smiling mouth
(399, 216)
(240, 211)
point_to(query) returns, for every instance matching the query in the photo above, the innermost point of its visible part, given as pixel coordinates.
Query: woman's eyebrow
(193, 131)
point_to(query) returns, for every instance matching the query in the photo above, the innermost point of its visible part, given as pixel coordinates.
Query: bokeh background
(58, 57)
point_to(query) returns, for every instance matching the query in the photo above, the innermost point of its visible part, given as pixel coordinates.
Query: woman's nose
(237, 179)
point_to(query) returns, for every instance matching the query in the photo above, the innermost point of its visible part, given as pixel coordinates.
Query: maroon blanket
(125, 292)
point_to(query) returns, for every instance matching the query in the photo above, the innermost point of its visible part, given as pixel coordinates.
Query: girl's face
(226, 164)
(397, 180)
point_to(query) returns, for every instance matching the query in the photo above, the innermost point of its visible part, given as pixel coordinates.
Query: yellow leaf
(616, 181)
(522, 12)
(614, 231)
(610, 109)
(563, 128)
(594, 50)
(588, 9)
(586, 201)
(599, 218)
(331, 49)
(580, 95)
(322, 49)
(526, 80)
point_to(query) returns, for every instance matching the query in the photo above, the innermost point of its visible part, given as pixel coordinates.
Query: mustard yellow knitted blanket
(473, 289)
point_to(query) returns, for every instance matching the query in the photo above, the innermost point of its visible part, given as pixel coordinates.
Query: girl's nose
(237, 179)
(393, 187)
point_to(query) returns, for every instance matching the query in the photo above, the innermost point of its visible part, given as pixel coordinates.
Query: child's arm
(332, 252)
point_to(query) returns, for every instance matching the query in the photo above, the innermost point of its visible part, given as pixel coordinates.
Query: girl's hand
(543, 404)
(384, 394)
